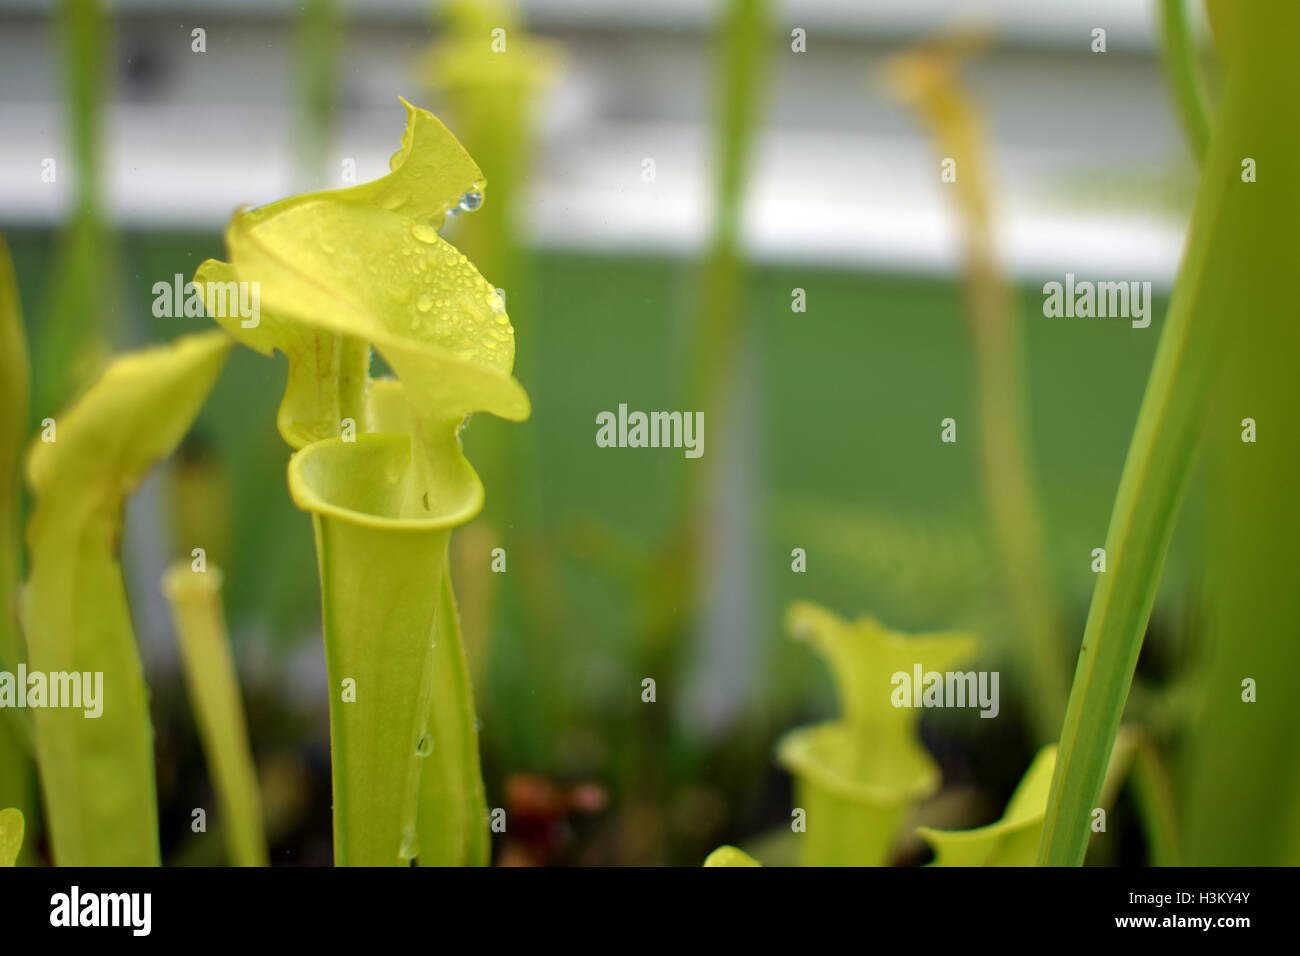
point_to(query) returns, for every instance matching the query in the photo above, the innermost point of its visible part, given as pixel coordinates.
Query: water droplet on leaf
(424, 232)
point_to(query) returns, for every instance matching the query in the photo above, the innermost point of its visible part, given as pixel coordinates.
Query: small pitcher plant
(857, 777)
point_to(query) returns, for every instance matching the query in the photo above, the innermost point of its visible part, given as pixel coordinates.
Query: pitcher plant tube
(379, 467)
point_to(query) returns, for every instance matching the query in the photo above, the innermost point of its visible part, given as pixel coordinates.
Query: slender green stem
(742, 39)
(1011, 491)
(675, 584)
(1153, 794)
(1120, 765)
(213, 687)
(83, 26)
(82, 307)
(1179, 57)
(928, 78)
(318, 36)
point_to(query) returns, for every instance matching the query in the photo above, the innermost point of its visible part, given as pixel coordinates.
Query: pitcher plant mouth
(834, 757)
(373, 481)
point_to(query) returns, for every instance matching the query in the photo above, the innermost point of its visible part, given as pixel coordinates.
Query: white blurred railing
(1083, 143)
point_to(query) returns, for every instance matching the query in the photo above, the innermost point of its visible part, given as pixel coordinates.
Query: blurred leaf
(730, 856)
(318, 38)
(11, 836)
(17, 772)
(1153, 794)
(97, 774)
(1240, 776)
(1236, 264)
(1013, 840)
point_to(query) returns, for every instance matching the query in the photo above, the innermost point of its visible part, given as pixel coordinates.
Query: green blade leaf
(1222, 276)
(1240, 750)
